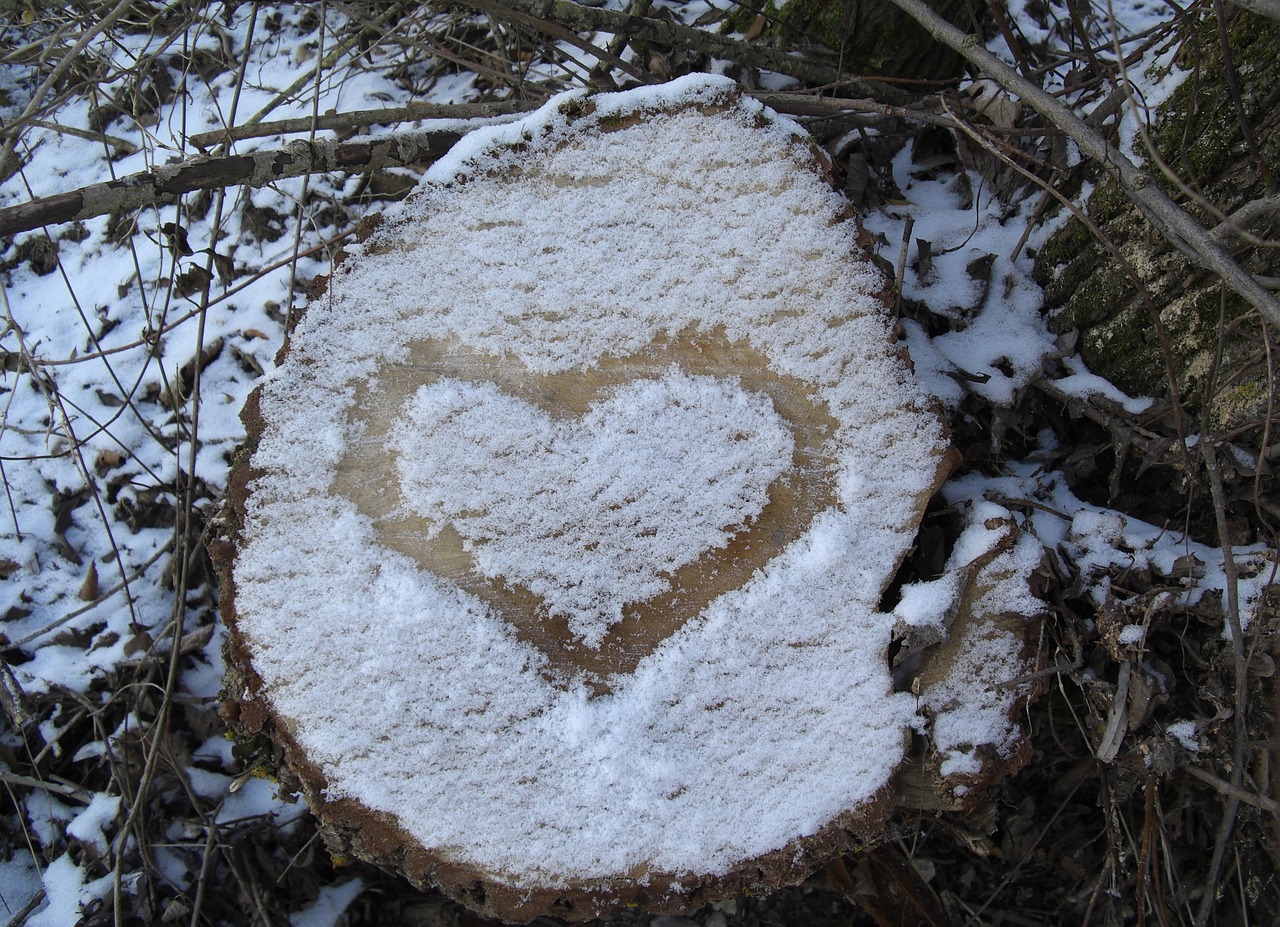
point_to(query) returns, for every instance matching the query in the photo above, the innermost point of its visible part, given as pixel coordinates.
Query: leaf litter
(76, 668)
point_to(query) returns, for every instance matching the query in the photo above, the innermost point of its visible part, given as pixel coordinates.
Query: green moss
(874, 39)
(573, 108)
(1198, 134)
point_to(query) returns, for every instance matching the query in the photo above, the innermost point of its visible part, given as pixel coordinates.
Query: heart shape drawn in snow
(594, 514)
(595, 511)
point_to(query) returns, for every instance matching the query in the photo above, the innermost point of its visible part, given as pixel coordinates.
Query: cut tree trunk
(554, 562)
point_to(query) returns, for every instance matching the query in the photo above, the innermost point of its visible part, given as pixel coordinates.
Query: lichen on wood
(1198, 134)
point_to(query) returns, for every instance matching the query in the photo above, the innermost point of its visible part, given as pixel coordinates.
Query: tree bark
(1200, 138)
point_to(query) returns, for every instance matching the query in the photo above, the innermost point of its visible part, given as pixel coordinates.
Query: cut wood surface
(555, 563)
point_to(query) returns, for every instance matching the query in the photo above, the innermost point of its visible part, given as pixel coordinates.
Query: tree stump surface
(554, 561)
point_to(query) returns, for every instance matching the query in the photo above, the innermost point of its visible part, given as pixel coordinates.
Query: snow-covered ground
(124, 377)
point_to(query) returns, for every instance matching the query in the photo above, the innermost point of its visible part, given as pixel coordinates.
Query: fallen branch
(362, 119)
(166, 183)
(794, 104)
(1169, 219)
(807, 104)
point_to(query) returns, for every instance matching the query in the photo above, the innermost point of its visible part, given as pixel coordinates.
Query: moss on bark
(865, 37)
(1198, 134)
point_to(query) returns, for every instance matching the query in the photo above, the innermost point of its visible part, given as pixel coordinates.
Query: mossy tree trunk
(870, 38)
(1175, 328)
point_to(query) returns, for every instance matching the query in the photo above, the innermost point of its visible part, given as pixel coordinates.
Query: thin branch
(505, 11)
(1232, 608)
(1173, 222)
(12, 129)
(1235, 791)
(807, 104)
(166, 183)
(121, 145)
(363, 118)
(1234, 224)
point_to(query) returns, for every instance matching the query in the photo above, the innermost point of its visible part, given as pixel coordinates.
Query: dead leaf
(193, 279)
(924, 259)
(176, 238)
(139, 643)
(223, 265)
(108, 460)
(756, 28)
(89, 588)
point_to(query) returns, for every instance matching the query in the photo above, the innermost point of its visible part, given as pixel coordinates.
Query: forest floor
(132, 339)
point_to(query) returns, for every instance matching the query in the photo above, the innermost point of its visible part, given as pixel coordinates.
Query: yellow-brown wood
(367, 476)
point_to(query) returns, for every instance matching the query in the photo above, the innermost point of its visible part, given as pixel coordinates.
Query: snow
(1185, 733)
(90, 825)
(1097, 541)
(650, 775)
(96, 328)
(1002, 343)
(329, 906)
(1131, 634)
(19, 882)
(595, 514)
(1085, 385)
(67, 892)
(255, 798)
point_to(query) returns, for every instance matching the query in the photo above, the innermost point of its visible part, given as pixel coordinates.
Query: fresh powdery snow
(774, 706)
(646, 482)
(659, 766)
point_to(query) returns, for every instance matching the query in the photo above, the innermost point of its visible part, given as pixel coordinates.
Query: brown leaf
(139, 643)
(89, 589)
(900, 896)
(757, 27)
(108, 460)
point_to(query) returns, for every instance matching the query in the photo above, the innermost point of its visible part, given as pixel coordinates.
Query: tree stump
(553, 565)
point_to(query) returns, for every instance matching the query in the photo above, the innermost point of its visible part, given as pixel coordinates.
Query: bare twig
(66, 790)
(580, 18)
(90, 606)
(1234, 224)
(362, 119)
(72, 55)
(123, 146)
(1227, 788)
(1173, 222)
(539, 20)
(1232, 606)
